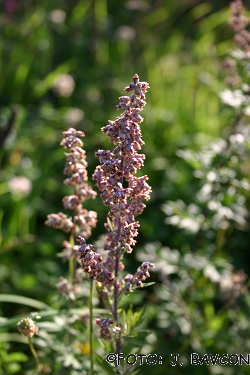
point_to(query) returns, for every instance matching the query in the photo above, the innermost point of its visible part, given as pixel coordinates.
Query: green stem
(72, 262)
(71, 271)
(91, 326)
(32, 349)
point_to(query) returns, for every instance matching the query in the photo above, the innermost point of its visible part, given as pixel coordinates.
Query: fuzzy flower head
(27, 327)
(115, 176)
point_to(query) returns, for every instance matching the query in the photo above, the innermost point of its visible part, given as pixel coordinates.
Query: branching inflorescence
(123, 192)
(239, 22)
(82, 220)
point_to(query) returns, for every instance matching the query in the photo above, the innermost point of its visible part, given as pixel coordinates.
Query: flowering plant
(123, 192)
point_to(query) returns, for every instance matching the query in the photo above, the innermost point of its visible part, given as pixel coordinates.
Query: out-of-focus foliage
(64, 64)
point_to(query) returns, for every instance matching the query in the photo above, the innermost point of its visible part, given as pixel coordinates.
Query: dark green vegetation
(200, 301)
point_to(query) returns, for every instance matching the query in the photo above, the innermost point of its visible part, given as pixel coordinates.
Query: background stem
(91, 326)
(34, 353)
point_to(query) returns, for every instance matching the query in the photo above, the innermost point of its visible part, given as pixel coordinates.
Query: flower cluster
(107, 329)
(136, 280)
(66, 289)
(233, 79)
(27, 327)
(69, 251)
(238, 93)
(92, 263)
(83, 220)
(59, 221)
(124, 193)
(121, 190)
(239, 22)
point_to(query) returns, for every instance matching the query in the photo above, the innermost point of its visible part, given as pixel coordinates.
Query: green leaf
(147, 284)
(23, 301)
(12, 368)
(16, 357)
(137, 339)
(79, 13)
(7, 323)
(139, 316)
(130, 318)
(124, 319)
(49, 326)
(70, 360)
(107, 345)
(6, 336)
(104, 365)
(216, 323)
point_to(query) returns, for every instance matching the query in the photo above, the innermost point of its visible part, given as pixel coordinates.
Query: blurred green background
(65, 63)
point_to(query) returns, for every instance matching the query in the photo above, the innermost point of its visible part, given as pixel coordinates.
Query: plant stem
(71, 271)
(72, 262)
(118, 341)
(117, 259)
(32, 349)
(91, 326)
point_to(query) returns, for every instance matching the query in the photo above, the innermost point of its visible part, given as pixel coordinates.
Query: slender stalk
(72, 262)
(118, 341)
(71, 270)
(32, 349)
(1, 362)
(91, 326)
(117, 259)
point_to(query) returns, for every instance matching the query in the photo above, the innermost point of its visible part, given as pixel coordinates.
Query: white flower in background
(64, 85)
(236, 138)
(137, 5)
(74, 115)
(239, 54)
(247, 111)
(57, 16)
(20, 185)
(232, 98)
(245, 87)
(125, 32)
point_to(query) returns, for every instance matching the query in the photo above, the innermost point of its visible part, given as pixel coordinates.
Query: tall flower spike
(121, 190)
(83, 220)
